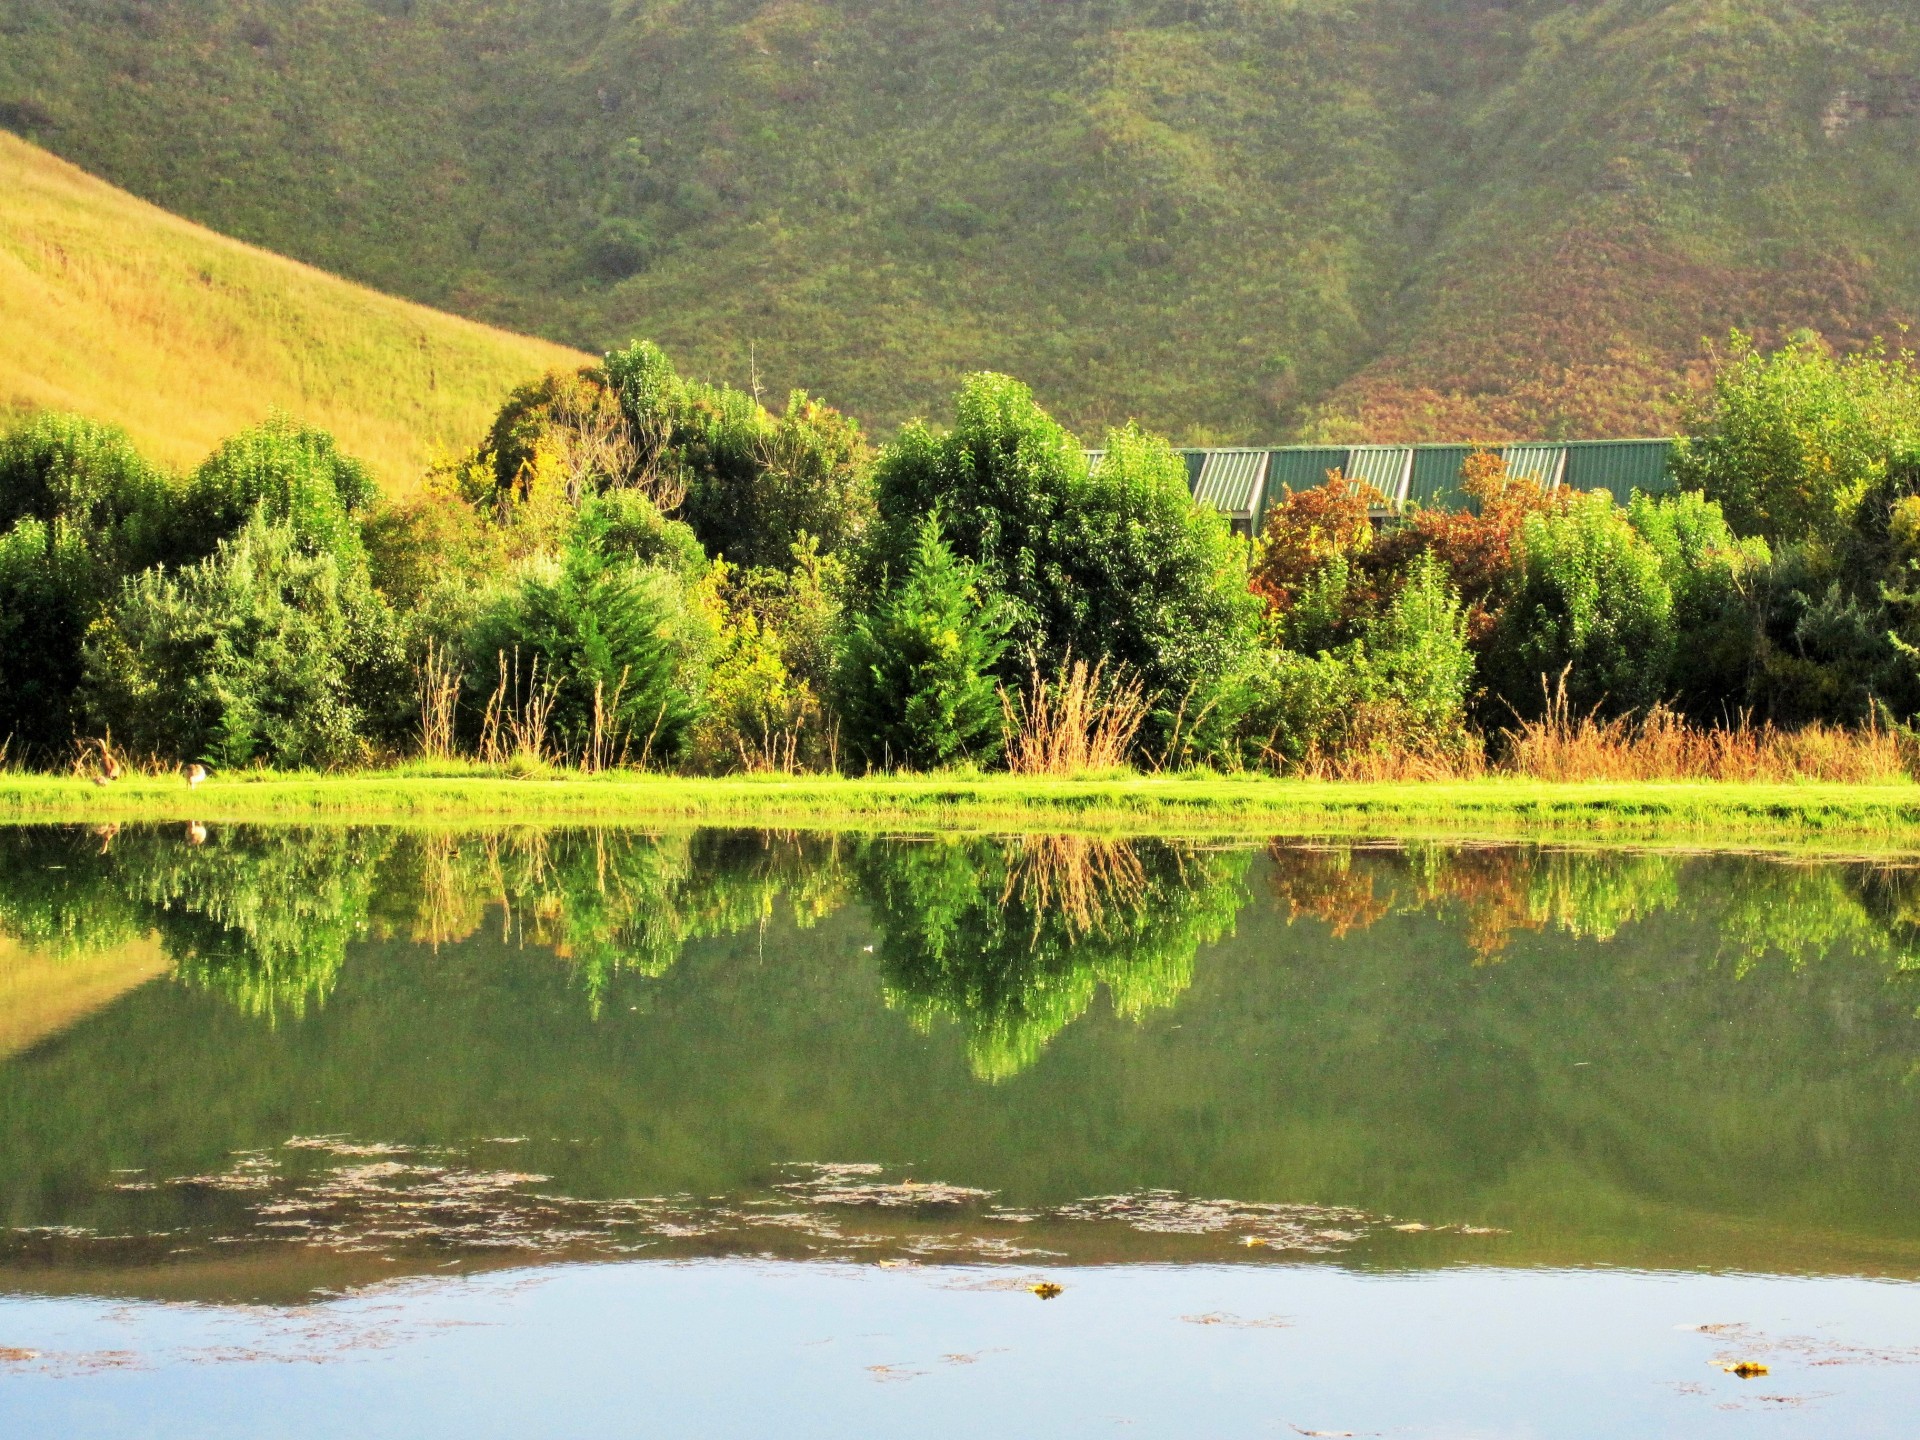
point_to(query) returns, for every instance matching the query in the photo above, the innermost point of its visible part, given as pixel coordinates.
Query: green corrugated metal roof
(1620, 467)
(1436, 476)
(1387, 468)
(1430, 473)
(1301, 468)
(1542, 464)
(1232, 482)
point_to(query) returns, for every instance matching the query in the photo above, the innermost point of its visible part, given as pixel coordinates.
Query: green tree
(608, 633)
(1113, 563)
(1414, 656)
(1717, 582)
(293, 475)
(79, 511)
(1790, 443)
(1590, 601)
(263, 651)
(916, 685)
(1012, 939)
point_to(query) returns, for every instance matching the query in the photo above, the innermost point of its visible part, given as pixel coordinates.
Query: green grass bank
(1875, 818)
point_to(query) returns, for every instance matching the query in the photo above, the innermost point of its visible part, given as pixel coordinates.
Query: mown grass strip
(1695, 813)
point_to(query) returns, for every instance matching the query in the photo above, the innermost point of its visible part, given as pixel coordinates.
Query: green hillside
(1411, 219)
(118, 310)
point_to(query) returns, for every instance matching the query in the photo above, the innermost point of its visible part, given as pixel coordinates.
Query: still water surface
(370, 1132)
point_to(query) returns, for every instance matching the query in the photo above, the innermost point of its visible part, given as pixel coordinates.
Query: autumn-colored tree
(1477, 545)
(1307, 529)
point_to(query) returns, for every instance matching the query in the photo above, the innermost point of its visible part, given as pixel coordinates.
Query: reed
(1083, 721)
(1660, 745)
(438, 686)
(514, 731)
(1090, 881)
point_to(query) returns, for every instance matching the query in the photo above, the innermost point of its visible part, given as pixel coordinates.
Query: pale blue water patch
(752, 1349)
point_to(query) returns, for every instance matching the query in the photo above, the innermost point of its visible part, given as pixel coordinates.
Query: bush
(1789, 444)
(916, 681)
(773, 665)
(1414, 657)
(1400, 684)
(1117, 565)
(262, 652)
(1590, 601)
(1307, 530)
(618, 648)
(292, 475)
(750, 484)
(618, 248)
(79, 511)
(758, 484)
(1718, 585)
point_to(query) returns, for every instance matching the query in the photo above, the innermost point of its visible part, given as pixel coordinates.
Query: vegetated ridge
(111, 307)
(1237, 220)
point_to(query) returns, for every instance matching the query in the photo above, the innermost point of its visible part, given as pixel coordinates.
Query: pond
(338, 1131)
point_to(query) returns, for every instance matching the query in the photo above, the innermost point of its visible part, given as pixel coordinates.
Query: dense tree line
(635, 567)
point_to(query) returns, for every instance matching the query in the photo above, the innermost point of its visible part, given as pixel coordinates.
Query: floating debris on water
(1236, 1322)
(389, 1200)
(1314, 1229)
(853, 1185)
(1046, 1290)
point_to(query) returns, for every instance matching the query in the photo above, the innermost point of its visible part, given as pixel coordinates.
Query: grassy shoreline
(1879, 818)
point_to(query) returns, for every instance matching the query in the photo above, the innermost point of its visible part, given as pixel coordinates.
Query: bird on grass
(196, 772)
(109, 767)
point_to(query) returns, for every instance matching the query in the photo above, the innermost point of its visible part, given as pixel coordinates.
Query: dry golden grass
(1083, 721)
(1563, 746)
(1662, 746)
(123, 312)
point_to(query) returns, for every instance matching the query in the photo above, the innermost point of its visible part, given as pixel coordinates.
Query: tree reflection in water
(1798, 910)
(1010, 939)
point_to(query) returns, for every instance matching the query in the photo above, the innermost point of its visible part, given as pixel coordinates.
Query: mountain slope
(1235, 219)
(114, 308)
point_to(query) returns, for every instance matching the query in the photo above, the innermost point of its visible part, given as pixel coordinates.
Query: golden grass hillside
(118, 310)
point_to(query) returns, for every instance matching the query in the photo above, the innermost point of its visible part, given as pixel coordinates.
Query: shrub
(1117, 565)
(619, 247)
(613, 651)
(50, 582)
(1307, 530)
(263, 651)
(1297, 706)
(916, 683)
(1717, 583)
(1790, 443)
(1589, 600)
(748, 482)
(79, 511)
(758, 483)
(773, 665)
(1399, 685)
(1414, 656)
(1479, 545)
(63, 467)
(292, 475)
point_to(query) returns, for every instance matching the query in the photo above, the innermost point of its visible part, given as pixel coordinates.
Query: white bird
(196, 772)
